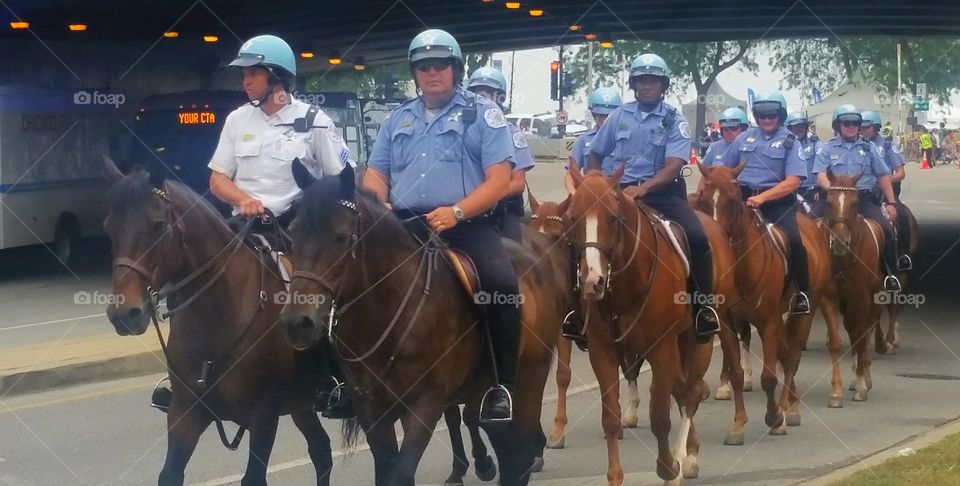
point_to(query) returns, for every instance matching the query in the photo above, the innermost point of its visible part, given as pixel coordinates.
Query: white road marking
(47, 323)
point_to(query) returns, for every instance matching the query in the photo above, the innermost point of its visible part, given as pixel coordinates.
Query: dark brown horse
(760, 274)
(630, 279)
(408, 336)
(163, 233)
(856, 244)
(891, 344)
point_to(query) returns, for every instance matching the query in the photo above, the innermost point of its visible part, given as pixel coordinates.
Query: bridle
(830, 222)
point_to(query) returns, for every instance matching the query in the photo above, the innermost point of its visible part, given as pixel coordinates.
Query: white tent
(857, 92)
(717, 99)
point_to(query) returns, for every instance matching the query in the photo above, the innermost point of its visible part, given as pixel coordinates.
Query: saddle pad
(778, 242)
(465, 270)
(672, 229)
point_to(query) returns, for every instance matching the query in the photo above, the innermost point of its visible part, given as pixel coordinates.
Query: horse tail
(350, 430)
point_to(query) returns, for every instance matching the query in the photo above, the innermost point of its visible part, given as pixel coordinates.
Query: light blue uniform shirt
(715, 151)
(808, 153)
(850, 159)
(889, 151)
(642, 142)
(769, 161)
(438, 162)
(522, 158)
(581, 149)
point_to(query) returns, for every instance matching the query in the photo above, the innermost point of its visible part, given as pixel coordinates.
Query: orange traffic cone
(924, 164)
(693, 156)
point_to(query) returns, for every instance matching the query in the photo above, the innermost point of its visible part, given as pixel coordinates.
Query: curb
(138, 364)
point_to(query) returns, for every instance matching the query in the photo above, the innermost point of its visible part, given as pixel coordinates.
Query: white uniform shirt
(258, 154)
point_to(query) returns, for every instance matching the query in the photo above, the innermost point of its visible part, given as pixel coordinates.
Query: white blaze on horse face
(594, 269)
(841, 202)
(716, 205)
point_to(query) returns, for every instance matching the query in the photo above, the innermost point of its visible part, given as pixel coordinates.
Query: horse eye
(341, 238)
(159, 226)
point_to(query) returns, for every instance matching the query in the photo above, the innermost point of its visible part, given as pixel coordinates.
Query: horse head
(325, 235)
(721, 195)
(142, 233)
(841, 213)
(548, 216)
(596, 227)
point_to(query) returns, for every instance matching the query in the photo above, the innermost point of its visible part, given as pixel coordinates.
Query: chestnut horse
(630, 281)
(891, 344)
(547, 219)
(408, 336)
(856, 244)
(227, 358)
(760, 274)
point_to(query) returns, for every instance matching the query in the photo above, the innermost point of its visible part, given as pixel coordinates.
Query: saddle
(465, 270)
(673, 233)
(778, 239)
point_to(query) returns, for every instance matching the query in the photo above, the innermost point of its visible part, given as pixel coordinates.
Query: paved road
(105, 434)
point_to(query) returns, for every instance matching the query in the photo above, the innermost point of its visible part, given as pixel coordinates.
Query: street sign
(921, 90)
(921, 104)
(562, 118)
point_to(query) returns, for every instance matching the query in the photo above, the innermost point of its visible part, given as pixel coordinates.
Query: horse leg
(631, 372)
(318, 443)
(745, 362)
(879, 341)
(893, 331)
(460, 463)
(831, 314)
(557, 438)
(666, 383)
(382, 438)
(863, 383)
(263, 434)
(697, 357)
(483, 464)
(418, 424)
(603, 359)
(730, 346)
(771, 335)
(185, 425)
(798, 330)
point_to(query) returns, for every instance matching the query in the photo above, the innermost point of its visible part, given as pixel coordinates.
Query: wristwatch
(457, 213)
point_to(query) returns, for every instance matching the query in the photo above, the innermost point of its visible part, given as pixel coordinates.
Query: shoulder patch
(335, 134)
(406, 122)
(248, 137)
(684, 129)
(494, 118)
(519, 141)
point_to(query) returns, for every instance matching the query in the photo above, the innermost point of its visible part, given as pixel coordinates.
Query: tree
(697, 63)
(827, 63)
(366, 84)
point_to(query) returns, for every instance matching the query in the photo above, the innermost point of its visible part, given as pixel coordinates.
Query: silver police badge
(684, 129)
(519, 141)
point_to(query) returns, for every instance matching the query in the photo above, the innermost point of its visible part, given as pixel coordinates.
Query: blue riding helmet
(846, 112)
(652, 65)
(733, 117)
(603, 101)
(796, 118)
(870, 117)
(489, 77)
(770, 102)
(269, 51)
(434, 44)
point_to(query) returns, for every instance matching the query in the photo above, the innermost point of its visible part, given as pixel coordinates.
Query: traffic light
(390, 89)
(566, 88)
(555, 80)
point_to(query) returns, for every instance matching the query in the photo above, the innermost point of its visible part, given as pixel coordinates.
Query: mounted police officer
(769, 181)
(810, 193)
(653, 139)
(251, 167)
(870, 131)
(848, 154)
(601, 103)
(447, 156)
(733, 122)
(490, 83)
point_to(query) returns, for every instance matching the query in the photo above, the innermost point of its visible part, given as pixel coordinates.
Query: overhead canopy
(379, 30)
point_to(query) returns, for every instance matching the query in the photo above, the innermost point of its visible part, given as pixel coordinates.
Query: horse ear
(704, 170)
(575, 178)
(110, 170)
(348, 182)
(831, 177)
(300, 174)
(158, 175)
(569, 184)
(534, 204)
(564, 206)
(618, 174)
(739, 168)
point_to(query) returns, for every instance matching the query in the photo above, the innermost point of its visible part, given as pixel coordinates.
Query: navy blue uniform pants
(869, 208)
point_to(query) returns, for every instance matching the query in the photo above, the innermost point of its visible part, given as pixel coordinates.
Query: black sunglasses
(434, 64)
(766, 116)
(850, 123)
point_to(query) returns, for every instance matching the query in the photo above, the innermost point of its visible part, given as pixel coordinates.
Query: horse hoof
(629, 423)
(835, 402)
(536, 467)
(893, 349)
(486, 469)
(880, 349)
(669, 475)
(851, 387)
(557, 443)
(691, 468)
(859, 396)
(705, 394)
(793, 419)
(774, 420)
(722, 393)
(734, 439)
(781, 430)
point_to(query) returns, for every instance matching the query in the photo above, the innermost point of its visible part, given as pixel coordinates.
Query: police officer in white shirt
(251, 168)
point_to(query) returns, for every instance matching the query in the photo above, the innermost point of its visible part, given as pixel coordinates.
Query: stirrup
(483, 406)
(566, 328)
(161, 397)
(705, 313)
(904, 263)
(892, 284)
(800, 304)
